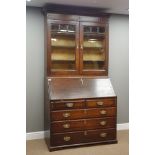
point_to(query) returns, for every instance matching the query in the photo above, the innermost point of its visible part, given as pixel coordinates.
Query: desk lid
(78, 88)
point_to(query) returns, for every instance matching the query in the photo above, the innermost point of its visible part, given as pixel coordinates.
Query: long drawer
(84, 124)
(82, 113)
(83, 137)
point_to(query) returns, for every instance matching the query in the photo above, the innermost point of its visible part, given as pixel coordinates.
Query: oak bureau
(80, 103)
(81, 111)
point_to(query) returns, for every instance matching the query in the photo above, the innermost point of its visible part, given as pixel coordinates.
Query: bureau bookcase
(80, 103)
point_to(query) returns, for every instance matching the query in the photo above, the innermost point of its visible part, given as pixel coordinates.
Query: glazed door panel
(63, 47)
(93, 49)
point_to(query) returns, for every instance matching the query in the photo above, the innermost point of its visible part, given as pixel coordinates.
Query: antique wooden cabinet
(76, 45)
(80, 103)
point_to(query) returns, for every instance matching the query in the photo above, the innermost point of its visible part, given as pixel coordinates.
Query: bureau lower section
(82, 122)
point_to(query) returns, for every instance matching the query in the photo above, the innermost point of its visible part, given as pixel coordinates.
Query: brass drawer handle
(67, 138)
(66, 126)
(66, 115)
(103, 123)
(100, 103)
(103, 135)
(103, 112)
(69, 105)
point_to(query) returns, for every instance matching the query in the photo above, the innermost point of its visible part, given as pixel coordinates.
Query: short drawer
(100, 123)
(100, 135)
(67, 138)
(107, 102)
(66, 126)
(66, 105)
(67, 115)
(101, 112)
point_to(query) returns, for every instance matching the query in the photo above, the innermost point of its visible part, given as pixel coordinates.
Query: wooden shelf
(63, 46)
(64, 43)
(94, 34)
(58, 33)
(94, 60)
(62, 57)
(92, 47)
(63, 60)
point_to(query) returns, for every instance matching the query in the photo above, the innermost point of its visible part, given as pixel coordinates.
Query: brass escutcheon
(85, 133)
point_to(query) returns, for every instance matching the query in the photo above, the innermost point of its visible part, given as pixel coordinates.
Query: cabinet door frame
(103, 72)
(49, 50)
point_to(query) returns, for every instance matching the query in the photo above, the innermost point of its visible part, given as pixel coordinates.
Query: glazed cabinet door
(93, 49)
(63, 46)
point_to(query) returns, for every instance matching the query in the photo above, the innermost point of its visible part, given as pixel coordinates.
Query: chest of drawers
(79, 119)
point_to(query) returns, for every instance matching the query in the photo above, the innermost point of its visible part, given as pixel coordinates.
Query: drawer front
(81, 114)
(84, 124)
(100, 135)
(78, 104)
(66, 126)
(83, 137)
(101, 103)
(67, 115)
(101, 112)
(67, 138)
(92, 124)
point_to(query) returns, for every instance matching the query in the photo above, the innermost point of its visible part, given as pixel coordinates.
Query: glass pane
(93, 48)
(63, 47)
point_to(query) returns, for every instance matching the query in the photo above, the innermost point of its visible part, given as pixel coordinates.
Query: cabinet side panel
(45, 45)
(46, 113)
